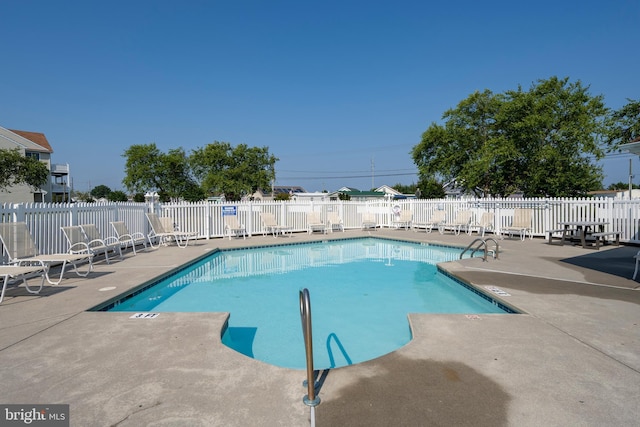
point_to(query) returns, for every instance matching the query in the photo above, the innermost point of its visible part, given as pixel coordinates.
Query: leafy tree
(282, 196)
(621, 186)
(541, 141)
(142, 168)
(117, 196)
(233, 171)
(405, 189)
(100, 191)
(16, 169)
(430, 188)
(149, 169)
(624, 124)
(138, 198)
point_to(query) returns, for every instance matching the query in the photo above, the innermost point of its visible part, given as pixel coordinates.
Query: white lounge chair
(334, 221)
(314, 223)
(270, 225)
(232, 227)
(164, 235)
(369, 220)
(485, 224)
(403, 219)
(126, 238)
(87, 236)
(436, 220)
(521, 224)
(460, 222)
(22, 250)
(21, 273)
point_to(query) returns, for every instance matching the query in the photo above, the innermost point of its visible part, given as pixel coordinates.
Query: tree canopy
(234, 171)
(541, 141)
(149, 169)
(218, 168)
(624, 124)
(16, 169)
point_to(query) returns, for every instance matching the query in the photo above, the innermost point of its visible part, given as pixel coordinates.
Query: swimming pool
(361, 292)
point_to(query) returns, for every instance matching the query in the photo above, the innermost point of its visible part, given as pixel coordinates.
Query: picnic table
(583, 229)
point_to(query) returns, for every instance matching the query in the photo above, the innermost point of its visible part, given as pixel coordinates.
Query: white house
(35, 144)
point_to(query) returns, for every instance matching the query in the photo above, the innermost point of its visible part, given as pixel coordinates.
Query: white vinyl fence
(45, 219)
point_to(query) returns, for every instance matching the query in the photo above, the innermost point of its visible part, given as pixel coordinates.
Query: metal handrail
(305, 316)
(482, 243)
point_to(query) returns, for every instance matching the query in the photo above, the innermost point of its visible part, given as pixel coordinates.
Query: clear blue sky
(331, 87)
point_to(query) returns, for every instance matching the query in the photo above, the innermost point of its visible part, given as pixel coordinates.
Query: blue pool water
(361, 292)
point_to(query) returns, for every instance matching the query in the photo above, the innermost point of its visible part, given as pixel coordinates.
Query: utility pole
(372, 174)
(630, 178)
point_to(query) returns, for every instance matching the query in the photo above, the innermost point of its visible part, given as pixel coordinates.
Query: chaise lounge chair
(126, 238)
(334, 221)
(270, 225)
(314, 223)
(233, 228)
(404, 219)
(83, 238)
(485, 224)
(164, 235)
(460, 222)
(21, 250)
(436, 220)
(521, 224)
(369, 221)
(21, 273)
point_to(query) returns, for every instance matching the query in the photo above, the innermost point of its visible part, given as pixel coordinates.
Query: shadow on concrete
(537, 285)
(408, 392)
(618, 261)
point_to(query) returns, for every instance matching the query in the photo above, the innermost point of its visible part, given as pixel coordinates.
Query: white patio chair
(232, 227)
(21, 273)
(22, 250)
(334, 221)
(521, 224)
(95, 242)
(485, 224)
(126, 238)
(270, 225)
(369, 221)
(164, 235)
(403, 219)
(460, 222)
(314, 223)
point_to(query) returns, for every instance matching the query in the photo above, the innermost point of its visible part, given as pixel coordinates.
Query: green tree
(430, 188)
(100, 191)
(624, 124)
(541, 141)
(234, 171)
(149, 169)
(282, 196)
(621, 186)
(117, 196)
(405, 189)
(16, 169)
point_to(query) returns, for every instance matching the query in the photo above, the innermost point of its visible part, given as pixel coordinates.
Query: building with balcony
(35, 144)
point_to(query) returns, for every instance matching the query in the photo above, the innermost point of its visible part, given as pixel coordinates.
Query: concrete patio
(572, 358)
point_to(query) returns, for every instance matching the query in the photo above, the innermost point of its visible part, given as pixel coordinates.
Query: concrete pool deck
(573, 358)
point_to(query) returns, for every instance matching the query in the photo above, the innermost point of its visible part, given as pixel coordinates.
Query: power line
(345, 176)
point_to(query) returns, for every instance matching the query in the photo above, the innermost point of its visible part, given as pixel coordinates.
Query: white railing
(45, 219)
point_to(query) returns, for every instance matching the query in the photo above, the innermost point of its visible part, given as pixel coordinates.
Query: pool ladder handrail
(305, 316)
(482, 243)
